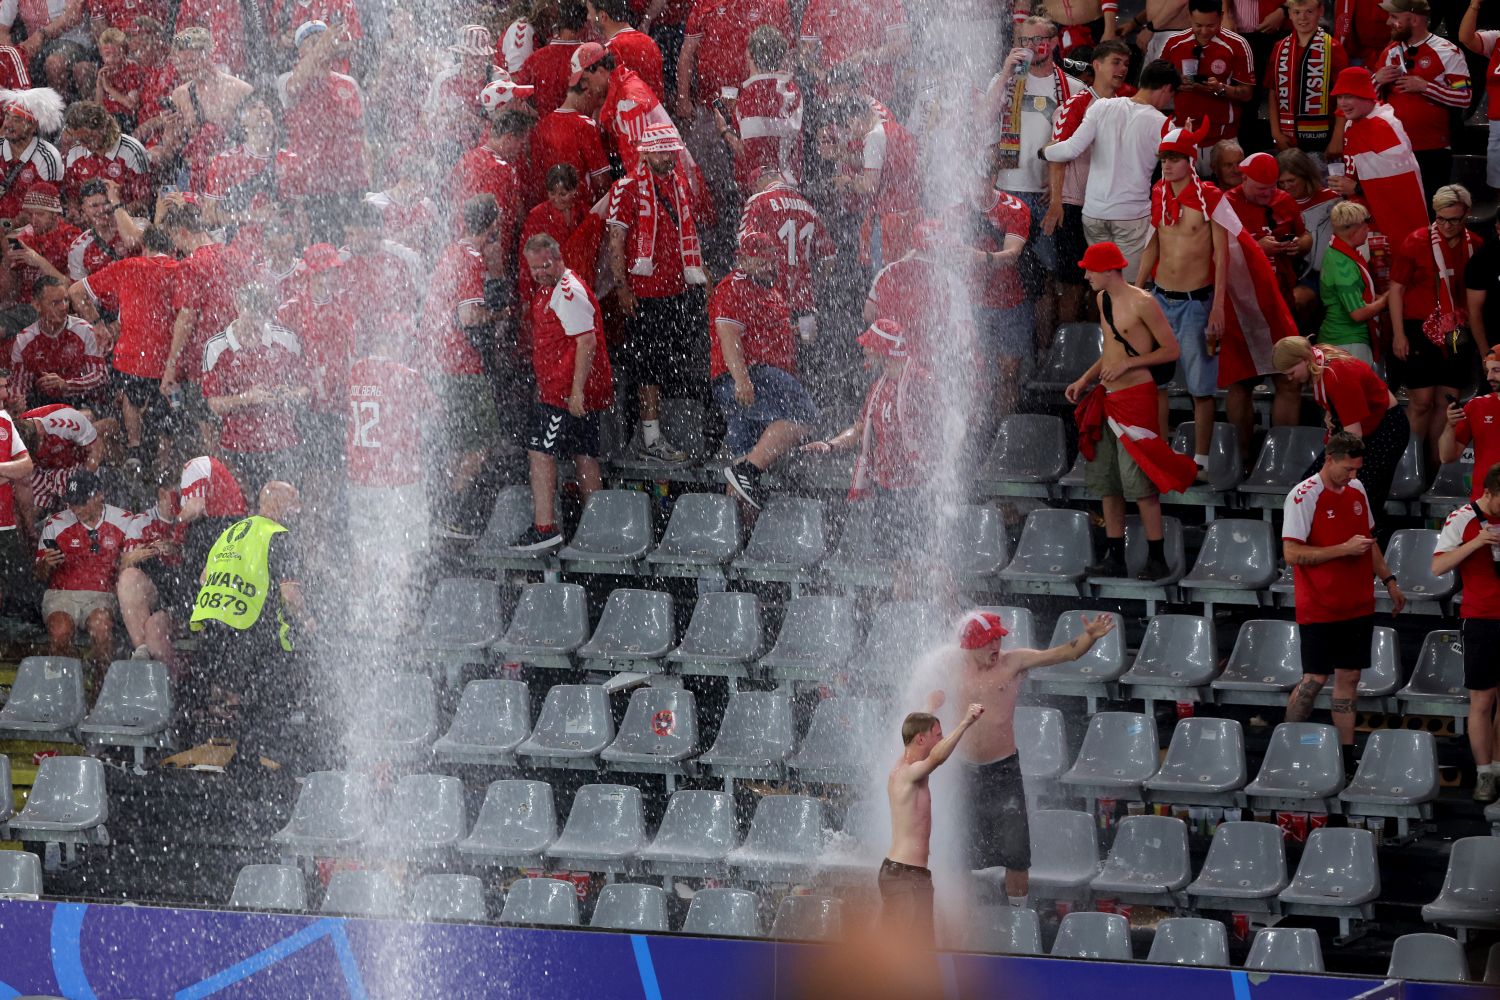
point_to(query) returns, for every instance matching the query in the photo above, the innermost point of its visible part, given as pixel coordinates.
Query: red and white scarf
(1167, 205)
(1010, 118)
(648, 216)
(1449, 315)
(1302, 78)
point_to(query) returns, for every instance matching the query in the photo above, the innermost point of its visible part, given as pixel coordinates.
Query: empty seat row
(134, 706)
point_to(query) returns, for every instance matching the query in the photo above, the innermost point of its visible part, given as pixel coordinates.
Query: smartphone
(722, 108)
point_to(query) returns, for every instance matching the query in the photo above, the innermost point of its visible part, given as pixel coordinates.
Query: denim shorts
(1188, 319)
(778, 396)
(1006, 332)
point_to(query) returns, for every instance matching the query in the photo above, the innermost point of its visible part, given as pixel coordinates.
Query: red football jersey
(1341, 588)
(211, 480)
(126, 165)
(1425, 114)
(1478, 572)
(125, 78)
(1413, 265)
(482, 171)
(71, 353)
(1226, 57)
(768, 120)
(122, 13)
(841, 28)
(548, 70)
(987, 230)
(892, 150)
(11, 448)
(91, 553)
(325, 330)
(206, 280)
(325, 127)
(42, 163)
(1282, 219)
(629, 106)
(13, 75)
(638, 52)
(90, 253)
(560, 315)
(383, 438)
(1480, 427)
(760, 316)
(225, 20)
(1352, 391)
(580, 239)
(230, 369)
(565, 136)
(54, 246)
(242, 180)
(725, 30)
(381, 283)
(143, 287)
(457, 282)
(666, 277)
(66, 436)
(782, 212)
(914, 293)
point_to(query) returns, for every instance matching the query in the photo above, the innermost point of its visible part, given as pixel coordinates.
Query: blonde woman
(1354, 399)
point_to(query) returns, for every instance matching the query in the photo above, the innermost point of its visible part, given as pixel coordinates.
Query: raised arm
(945, 746)
(1029, 659)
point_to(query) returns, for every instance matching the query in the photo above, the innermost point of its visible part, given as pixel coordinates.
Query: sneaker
(661, 450)
(448, 527)
(141, 653)
(1485, 788)
(744, 481)
(533, 540)
(1109, 568)
(1155, 569)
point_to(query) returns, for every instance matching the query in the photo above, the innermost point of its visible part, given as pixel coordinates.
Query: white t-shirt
(1124, 136)
(1038, 108)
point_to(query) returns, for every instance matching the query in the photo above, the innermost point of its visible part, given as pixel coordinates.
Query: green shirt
(1343, 291)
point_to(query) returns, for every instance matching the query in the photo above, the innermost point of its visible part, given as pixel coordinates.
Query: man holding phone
(1476, 423)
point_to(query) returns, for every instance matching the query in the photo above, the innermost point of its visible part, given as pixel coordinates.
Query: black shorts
(143, 394)
(1427, 365)
(557, 432)
(1071, 243)
(663, 341)
(176, 586)
(1481, 653)
(999, 834)
(1330, 646)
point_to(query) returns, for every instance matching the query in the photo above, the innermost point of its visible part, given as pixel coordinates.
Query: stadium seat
(1338, 876)
(1433, 957)
(463, 618)
(901, 632)
(448, 897)
(1245, 869)
(856, 560)
(134, 708)
(785, 840)
(7, 792)
(20, 875)
(817, 639)
(1409, 555)
(46, 700)
(1303, 768)
(606, 829)
(1437, 681)
(1235, 564)
(1177, 660)
(513, 514)
(787, 542)
(703, 534)
(613, 534)
(573, 728)
(723, 639)
(1136, 554)
(396, 719)
(269, 887)
(696, 833)
(1204, 765)
(1470, 896)
(1075, 347)
(1492, 966)
(362, 894)
(634, 632)
(516, 825)
(855, 852)
(1285, 457)
(1397, 776)
(1019, 623)
(1093, 935)
(491, 720)
(1226, 469)
(1053, 555)
(1148, 862)
(550, 623)
(331, 816)
(1189, 941)
(1410, 480)
(1378, 682)
(1004, 930)
(1285, 949)
(1119, 752)
(1041, 742)
(1029, 449)
(980, 547)
(1265, 664)
(541, 901)
(629, 907)
(1450, 487)
(755, 737)
(808, 918)
(1064, 853)
(424, 820)
(659, 734)
(829, 751)
(723, 913)
(1093, 674)
(68, 804)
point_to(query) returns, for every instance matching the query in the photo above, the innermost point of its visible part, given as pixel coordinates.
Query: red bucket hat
(1355, 81)
(1103, 257)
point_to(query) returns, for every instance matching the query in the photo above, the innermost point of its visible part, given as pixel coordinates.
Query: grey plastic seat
(1137, 552)
(396, 720)
(704, 531)
(1148, 861)
(1338, 873)
(1102, 664)
(513, 514)
(1245, 868)
(857, 559)
(134, 707)
(516, 825)
(448, 897)
(1064, 852)
(1449, 487)
(1005, 930)
(1285, 949)
(1283, 461)
(1093, 935)
(1265, 664)
(550, 623)
(1237, 555)
(7, 793)
(1190, 941)
(573, 728)
(723, 913)
(808, 918)
(68, 804)
(1041, 741)
(659, 734)
(1409, 555)
(46, 699)
(634, 632)
(464, 615)
(1378, 681)
(1176, 659)
(425, 819)
(605, 831)
(1055, 550)
(1226, 469)
(784, 842)
(1492, 966)
(1437, 681)
(1019, 623)
(787, 542)
(1410, 479)
(817, 638)
(20, 875)
(1204, 765)
(755, 738)
(541, 901)
(627, 907)
(1028, 448)
(980, 546)
(1471, 888)
(696, 834)
(900, 633)
(362, 894)
(491, 720)
(269, 887)
(830, 751)
(1434, 957)
(1397, 771)
(1302, 766)
(615, 530)
(1075, 346)
(331, 815)
(724, 637)
(1119, 752)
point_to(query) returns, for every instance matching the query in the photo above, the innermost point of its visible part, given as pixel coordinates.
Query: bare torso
(1185, 262)
(219, 95)
(911, 815)
(1127, 308)
(1074, 11)
(997, 688)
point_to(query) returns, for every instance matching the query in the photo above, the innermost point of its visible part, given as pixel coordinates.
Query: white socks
(650, 431)
(1202, 461)
(1492, 768)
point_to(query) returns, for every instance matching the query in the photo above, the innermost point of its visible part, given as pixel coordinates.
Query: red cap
(1355, 81)
(585, 58)
(884, 336)
(1103, 257)
(322, 257)
(1261, 168)
(980, 628)
(1181, 139)
(753, 244)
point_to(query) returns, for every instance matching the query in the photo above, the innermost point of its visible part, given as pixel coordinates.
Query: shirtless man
(206, 104)
(1081, 24)
(1154, 25)
(905, 880)
(985, 675)
(1119, 427)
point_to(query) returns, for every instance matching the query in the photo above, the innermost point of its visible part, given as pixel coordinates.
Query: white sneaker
(141, 653)
(661, 450)
(1485, 787)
